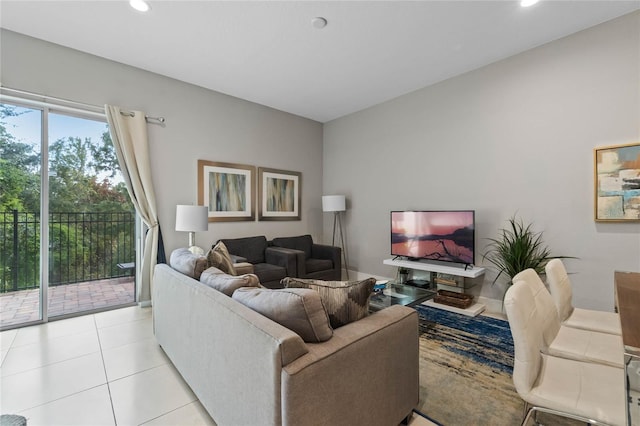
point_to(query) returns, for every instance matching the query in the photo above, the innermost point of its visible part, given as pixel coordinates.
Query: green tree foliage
(19, 170)
(91, 216)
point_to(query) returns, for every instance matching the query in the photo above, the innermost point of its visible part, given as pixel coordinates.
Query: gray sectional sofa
(249, 370)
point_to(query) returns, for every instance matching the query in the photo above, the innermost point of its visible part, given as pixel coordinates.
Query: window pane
(20, 157)
(91, 219)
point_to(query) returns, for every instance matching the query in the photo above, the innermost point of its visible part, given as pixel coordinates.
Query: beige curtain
(129, 136)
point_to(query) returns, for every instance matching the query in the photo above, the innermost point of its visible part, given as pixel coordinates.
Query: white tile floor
(101, 369)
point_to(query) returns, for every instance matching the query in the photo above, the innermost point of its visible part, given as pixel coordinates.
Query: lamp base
(196, 250)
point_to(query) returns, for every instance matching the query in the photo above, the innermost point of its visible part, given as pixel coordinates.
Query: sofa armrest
(282, 257)
(368, 373)
(301, 267)
(322, 251)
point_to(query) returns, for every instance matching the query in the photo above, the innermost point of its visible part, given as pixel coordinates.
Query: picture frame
(228, 190)
(279, 194)
(617, 183)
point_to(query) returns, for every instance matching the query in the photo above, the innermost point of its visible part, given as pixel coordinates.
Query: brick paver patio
(22, 306)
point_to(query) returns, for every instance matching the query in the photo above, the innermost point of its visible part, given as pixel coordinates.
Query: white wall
(513, 137)
(200, 124)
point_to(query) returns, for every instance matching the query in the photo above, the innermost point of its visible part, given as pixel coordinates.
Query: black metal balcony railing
(82, 247)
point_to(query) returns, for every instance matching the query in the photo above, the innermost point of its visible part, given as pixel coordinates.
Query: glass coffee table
(399, 294)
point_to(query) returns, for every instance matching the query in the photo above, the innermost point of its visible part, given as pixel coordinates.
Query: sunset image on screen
(446, 236)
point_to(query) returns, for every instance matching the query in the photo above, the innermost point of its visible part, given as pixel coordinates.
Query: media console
(437, 268)
(469, 272)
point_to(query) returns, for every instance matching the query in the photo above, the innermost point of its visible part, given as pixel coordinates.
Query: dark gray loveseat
(270, 264)
(317, 261)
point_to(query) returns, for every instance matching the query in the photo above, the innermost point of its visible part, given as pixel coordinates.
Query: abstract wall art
(278, 194)
(227, 189)
(617, 183)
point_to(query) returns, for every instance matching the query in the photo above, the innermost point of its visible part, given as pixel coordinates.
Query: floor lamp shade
(333, 203)
(192, 219)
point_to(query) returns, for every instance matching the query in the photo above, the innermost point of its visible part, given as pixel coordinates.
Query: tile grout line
(10, 346)
(104, 367)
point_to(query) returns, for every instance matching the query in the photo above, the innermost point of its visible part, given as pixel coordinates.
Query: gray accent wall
(514, 137)
(200, 124)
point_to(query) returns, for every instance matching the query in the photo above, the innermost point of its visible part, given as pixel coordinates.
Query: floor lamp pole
(336, 218)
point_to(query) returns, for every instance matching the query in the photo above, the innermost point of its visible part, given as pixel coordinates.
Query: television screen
(447, 236)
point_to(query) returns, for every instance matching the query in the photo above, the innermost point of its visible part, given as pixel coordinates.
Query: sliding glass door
(72, 228)
(20, 225)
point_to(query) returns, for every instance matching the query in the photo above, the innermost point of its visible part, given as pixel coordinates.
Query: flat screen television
(447, 236)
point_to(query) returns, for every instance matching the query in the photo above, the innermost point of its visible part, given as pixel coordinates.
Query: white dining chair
(562, 293)
(589, 392)
(568, 342)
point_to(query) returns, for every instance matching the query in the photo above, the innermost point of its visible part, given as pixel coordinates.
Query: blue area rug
(465, 369)
(483, 339)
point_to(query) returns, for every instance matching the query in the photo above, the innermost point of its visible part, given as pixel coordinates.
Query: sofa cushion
(251, 248)
(225, 283)
(345, 301)
(243, 268)
(303, 243)
(298, 309)
(185, 262)
(218, 257)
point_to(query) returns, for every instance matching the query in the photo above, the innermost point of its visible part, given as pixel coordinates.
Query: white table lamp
(192, 219)
(337, 204)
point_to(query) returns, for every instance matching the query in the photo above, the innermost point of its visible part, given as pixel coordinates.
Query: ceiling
(268, 52)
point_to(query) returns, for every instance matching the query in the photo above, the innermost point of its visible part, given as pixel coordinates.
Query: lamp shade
(333, 203)
(192, 218)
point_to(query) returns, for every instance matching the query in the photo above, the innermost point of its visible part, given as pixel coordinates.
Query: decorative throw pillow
(298, 309)
(225, 283)
(185, 262)
(345, 301)
(218, 257)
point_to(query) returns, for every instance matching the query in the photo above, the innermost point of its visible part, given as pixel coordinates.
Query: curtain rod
(96, 108)
(146, 117)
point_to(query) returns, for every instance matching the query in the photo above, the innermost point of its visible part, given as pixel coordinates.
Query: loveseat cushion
(251, 248)
(345, 301)
(268, 272)
(225, 283)
(187, 263)
(298, 309)
(315, 265)
(303, 243)
(218, 257)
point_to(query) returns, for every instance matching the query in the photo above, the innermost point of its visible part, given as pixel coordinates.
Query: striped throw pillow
(344, 301)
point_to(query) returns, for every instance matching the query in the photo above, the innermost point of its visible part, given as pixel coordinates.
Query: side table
(399, 294)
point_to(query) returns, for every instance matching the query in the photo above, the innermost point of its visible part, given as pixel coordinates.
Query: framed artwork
(278, 194)
(227, 189)
(617, 183)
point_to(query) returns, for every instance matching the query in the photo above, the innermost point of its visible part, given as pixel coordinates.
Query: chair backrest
(303, 243)
(545, 307)
(526, 329)
(559, 287)
(251, 248)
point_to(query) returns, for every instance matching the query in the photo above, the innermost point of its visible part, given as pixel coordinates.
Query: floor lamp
(337, 205)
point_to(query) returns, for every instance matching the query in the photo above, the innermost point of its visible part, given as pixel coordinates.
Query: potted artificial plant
(518, 248)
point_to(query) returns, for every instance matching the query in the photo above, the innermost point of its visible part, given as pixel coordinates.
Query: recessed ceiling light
(527, 3)
(319, 22)
(140, 5)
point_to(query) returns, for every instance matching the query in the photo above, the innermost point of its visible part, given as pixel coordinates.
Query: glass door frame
(45, 109)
